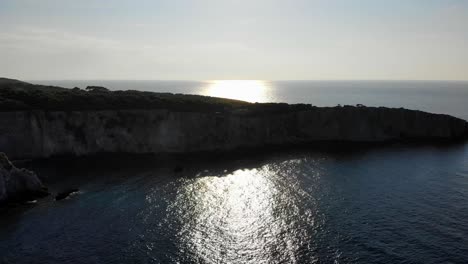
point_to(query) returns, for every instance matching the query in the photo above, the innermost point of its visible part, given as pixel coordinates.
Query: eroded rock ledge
(18, 185)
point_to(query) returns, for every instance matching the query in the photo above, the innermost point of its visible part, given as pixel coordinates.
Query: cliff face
(40, 134)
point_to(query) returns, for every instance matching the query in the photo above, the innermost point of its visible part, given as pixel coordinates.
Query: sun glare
(240, 217)
(245, 90)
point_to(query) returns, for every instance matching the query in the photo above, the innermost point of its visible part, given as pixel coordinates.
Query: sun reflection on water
(247, 216)
(245, 90)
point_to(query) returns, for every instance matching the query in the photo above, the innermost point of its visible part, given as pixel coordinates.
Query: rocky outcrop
(18, 185)
(65, 194)
(41, 134)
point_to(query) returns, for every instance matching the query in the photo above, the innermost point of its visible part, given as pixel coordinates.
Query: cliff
(165, 125)
(40, 134)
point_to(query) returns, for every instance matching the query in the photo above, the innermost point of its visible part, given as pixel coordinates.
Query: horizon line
(265, 80)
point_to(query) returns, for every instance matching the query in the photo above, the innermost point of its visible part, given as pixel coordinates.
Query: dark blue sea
(389, 204)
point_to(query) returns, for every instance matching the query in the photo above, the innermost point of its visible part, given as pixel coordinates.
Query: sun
(245, 90)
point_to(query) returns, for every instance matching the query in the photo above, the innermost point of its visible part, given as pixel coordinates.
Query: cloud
(35, 39)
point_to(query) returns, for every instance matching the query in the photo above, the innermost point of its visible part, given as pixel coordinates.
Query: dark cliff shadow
(66, 171)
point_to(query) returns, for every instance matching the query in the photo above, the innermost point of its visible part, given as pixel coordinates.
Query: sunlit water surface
(386, 205)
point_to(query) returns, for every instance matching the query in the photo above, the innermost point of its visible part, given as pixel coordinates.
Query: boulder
(18, 185)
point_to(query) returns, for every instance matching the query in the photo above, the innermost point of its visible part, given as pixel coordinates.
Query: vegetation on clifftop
(17, 95)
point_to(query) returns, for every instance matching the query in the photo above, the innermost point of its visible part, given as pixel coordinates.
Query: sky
(234, 39)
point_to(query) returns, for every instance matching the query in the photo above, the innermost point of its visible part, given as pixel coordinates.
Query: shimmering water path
(383, 205)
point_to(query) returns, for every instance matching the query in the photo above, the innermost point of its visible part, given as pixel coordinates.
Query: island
(38, 121)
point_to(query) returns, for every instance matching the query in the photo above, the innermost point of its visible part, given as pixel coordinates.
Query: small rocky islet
(38, 121)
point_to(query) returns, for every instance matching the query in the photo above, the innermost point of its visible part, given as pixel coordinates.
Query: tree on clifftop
(96, 89)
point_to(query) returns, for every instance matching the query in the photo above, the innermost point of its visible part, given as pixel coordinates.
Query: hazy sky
(228, 39)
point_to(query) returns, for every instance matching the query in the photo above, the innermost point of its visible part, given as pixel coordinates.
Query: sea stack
(18, 185)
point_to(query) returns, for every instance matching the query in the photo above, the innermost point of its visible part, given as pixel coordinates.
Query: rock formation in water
(65, 194)
(18, 185)
(42, 121)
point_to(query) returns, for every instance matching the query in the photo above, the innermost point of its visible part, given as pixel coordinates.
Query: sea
(396, 203)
